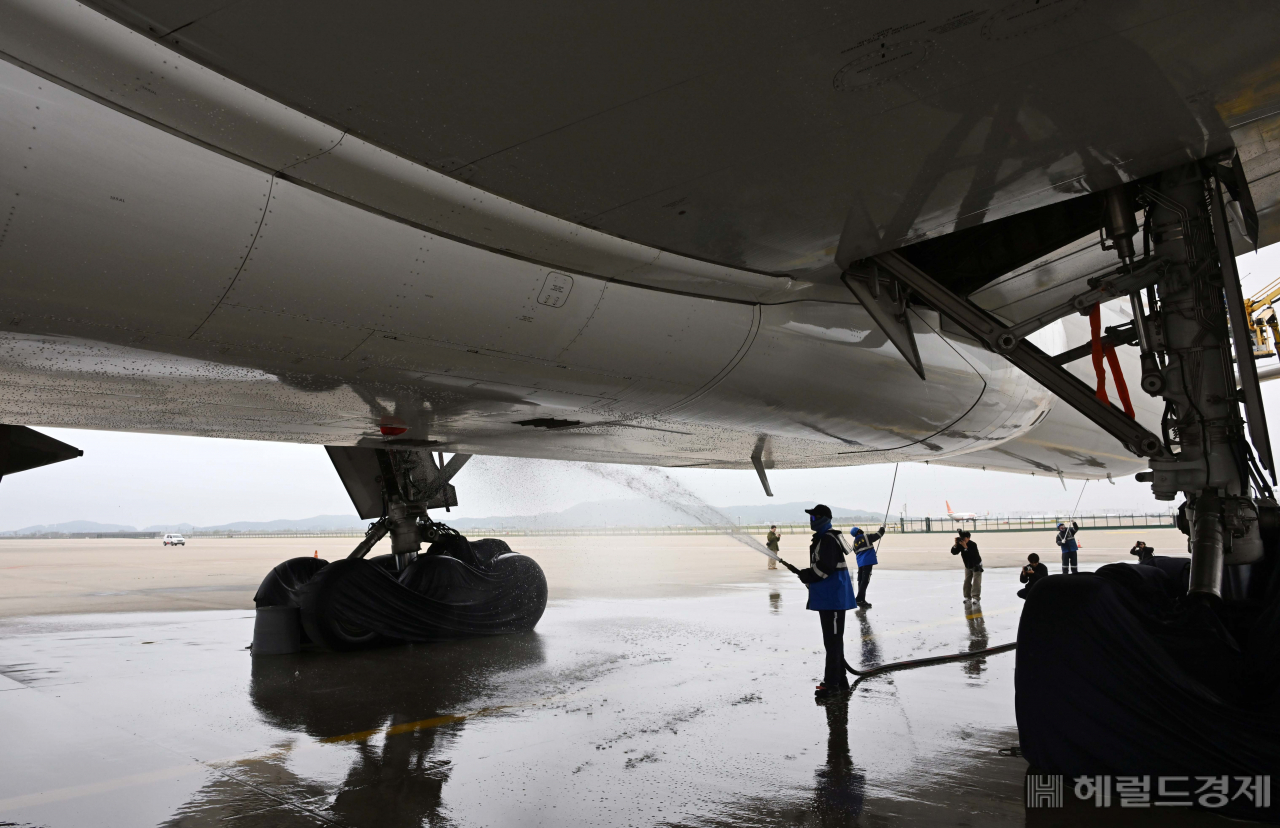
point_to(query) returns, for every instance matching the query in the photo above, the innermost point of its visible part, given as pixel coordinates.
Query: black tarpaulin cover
(283, 584)
(1117, 674)
(352, 602)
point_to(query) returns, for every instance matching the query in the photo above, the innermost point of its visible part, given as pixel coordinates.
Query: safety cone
(317, 553)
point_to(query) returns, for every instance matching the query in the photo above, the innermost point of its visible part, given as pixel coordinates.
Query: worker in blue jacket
(830, 595)
(864, 547)
(1066, 541)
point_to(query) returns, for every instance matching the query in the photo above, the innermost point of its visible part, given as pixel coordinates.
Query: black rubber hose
(925, 662)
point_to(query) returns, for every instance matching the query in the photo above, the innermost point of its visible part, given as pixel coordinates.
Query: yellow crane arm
(1266, 296)
(1263, 326)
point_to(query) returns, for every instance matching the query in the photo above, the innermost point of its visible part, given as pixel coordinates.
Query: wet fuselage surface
(692, 710)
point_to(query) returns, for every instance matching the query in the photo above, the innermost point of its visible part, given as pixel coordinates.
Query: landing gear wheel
(323, 622)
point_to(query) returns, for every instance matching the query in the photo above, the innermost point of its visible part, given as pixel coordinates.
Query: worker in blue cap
(830, 595)
(864, 547)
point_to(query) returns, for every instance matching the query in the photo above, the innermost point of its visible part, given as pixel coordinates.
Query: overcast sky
(144, 479)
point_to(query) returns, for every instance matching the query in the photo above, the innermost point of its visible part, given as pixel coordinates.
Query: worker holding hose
(1066, 541)
(864, 547)
(830, 595)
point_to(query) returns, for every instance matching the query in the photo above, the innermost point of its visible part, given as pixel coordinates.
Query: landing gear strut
(1210, 461)
(397, 486)
(1183, 289)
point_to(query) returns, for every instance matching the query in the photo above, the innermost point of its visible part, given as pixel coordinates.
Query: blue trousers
(1068, 559)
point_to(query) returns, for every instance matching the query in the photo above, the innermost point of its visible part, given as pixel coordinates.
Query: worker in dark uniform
(1146, 554)
(830, 595)
(1031, 573)
(968, 552)
(864, 547)
(1066, 541)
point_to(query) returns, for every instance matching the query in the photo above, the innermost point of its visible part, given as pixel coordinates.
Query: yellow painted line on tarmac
(13, 803)
(411, 727)
(934, 624)
(407, 727)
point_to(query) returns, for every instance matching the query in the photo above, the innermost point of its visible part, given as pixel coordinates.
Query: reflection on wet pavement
(977, 641)
(686, 711)
(840, 787)
(870, 646)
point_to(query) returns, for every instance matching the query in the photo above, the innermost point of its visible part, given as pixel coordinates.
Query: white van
(174, 540)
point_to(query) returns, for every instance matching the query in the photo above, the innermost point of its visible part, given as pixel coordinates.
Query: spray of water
(657, 485)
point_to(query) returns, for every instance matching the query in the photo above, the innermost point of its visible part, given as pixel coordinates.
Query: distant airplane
(961, 516)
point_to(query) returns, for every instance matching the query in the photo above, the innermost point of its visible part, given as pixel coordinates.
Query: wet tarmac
(692, 711)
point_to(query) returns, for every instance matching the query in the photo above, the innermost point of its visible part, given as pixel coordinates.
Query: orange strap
(1095, 335)
(1121, 387)
(1108, 352)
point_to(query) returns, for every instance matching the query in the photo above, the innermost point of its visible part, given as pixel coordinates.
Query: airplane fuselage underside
(182, 255)
(159, 286)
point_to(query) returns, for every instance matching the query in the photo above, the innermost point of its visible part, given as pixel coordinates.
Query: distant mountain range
(596, 514)
(319, 523)
(69, 527)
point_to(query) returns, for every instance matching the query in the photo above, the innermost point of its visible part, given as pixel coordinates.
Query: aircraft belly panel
(111, 221)
(285, 333)
(827, 373)
(321, 259)
(347, 283)
(646, 333)
(1064, 442)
